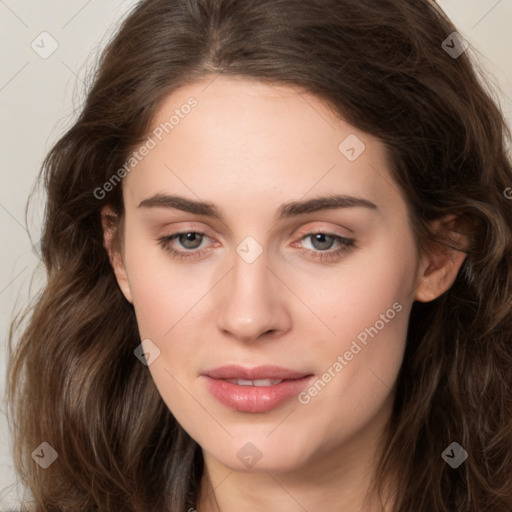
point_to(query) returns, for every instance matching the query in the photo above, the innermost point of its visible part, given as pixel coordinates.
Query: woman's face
(299, 256)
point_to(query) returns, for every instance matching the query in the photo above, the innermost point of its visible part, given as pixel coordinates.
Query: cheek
(167, 301)
(352, 297)
(366, 305)
(163, 290)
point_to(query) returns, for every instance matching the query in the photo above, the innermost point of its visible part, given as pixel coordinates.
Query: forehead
(243, 139)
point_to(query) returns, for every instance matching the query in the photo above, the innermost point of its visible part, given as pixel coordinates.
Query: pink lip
(234, 371)
(255, 398)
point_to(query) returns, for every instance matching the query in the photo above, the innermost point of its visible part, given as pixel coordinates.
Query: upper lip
(234, 371)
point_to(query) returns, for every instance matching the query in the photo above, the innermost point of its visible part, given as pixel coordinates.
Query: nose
(253, 302)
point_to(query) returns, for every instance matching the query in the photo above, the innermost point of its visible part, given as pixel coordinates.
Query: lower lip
(255, 398)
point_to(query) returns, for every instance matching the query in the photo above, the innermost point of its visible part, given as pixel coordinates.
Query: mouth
(257, 382)
(256, 390)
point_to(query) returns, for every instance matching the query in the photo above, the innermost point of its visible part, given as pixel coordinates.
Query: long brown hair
(74, 381)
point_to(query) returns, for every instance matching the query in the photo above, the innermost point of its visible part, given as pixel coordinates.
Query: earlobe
(439, 268)
(110, 224)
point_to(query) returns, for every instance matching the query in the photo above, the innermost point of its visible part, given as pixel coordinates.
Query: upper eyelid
(314, 229)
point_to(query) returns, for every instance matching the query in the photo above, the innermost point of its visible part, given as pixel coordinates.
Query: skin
(249, 147)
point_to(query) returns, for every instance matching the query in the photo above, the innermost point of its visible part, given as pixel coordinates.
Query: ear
(439, 268)
(112, 242)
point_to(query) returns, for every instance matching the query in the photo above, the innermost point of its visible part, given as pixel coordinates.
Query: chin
(256, 454)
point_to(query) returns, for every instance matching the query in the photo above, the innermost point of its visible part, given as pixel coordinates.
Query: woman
(278, 244)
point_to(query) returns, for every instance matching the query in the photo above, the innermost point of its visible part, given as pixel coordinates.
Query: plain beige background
(39, 98)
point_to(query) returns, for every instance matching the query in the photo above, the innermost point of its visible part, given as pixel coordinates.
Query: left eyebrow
(286, 210)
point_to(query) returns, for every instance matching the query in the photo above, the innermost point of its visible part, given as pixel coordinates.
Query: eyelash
(347, 244)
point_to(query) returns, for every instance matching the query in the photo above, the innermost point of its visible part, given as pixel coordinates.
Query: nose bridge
(251, 305)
